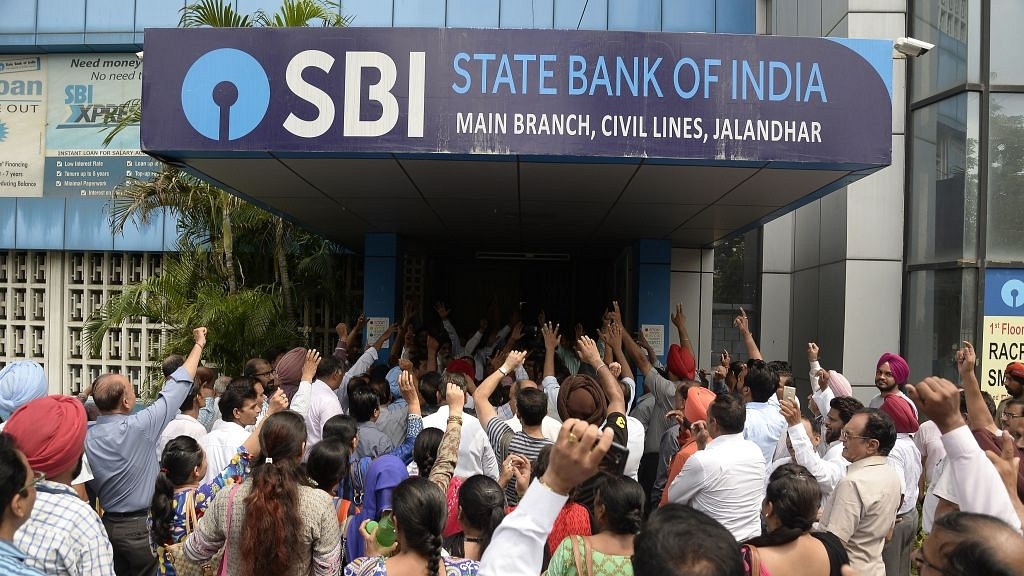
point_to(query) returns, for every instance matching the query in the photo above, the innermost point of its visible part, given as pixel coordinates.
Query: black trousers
(129, 537)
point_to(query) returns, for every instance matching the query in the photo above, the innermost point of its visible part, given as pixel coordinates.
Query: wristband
(455, 419)
(503, 371)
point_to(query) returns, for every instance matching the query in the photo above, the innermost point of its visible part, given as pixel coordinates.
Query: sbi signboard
(536, 92)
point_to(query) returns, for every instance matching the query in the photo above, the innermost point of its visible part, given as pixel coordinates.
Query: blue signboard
(1002, 328)
(538, 92)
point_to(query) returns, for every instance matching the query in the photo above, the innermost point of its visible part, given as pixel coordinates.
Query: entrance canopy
(518, 139)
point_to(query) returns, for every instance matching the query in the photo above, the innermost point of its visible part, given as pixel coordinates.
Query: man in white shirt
(905, 458)
(984, 537)
(764, 423)
(323, 402)
(475, 453)
(725, 480)
(238, 408)
(831, 468)
(186, 423)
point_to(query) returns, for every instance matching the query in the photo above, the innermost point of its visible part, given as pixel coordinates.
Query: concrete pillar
(380, 281)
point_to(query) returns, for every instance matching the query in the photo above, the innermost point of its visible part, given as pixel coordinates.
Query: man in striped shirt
(531, 407)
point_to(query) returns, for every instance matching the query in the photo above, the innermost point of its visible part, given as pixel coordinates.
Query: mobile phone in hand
(789, 393)
(615, 460)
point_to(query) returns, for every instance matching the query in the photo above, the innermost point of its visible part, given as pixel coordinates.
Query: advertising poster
(22, 122)
(1003, 340)
(375, 328)
(83, 90)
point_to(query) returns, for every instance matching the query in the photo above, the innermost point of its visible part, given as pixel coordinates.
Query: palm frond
(213, 13)
(128, 114)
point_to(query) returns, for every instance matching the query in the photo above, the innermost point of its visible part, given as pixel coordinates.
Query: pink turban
(898, 366)
(839, 385)
(901, 412)
(681, 362)
(51, 432)
(697, 401)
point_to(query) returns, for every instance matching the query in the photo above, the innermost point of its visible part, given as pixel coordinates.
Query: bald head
(111, 391)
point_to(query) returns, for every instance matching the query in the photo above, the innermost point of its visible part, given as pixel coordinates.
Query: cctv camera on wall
(912, 46)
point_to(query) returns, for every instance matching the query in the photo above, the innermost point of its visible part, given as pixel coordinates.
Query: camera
(912, 46)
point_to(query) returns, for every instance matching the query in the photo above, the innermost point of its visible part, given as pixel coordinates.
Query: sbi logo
(1012, 293)
(226, 94)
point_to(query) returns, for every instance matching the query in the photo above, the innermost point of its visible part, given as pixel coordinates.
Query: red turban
(1015, 370)
(697, 401)
(681, 362)
(901, 412)
(51, 432)
(897, 365)
(462, 366)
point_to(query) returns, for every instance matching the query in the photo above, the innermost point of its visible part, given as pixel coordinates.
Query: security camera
(912, 46)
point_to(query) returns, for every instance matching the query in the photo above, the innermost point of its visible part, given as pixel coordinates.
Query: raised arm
(192, 361)
(979, 487)
(976, 408)
(615, 343)
(551, 338)
(301, 399)
(356, 332)
(589, 354)
(481, 396)
(341, 349)
(453, 335)
(742, 323)
(631, 348)
(679, 320)
(448, 452)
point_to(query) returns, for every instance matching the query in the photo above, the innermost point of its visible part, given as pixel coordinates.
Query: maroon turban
(901, 412)
(289, 371)
(898, 366)
(580, 396)
(51, 432)
(681, 362)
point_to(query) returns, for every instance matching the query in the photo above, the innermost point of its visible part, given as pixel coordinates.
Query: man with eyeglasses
(1011, 417)
(984, 537)
(862, 509)
(18, 495)
(1013, 381)
(64, 536)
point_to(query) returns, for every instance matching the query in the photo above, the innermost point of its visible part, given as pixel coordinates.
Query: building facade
(895, 261)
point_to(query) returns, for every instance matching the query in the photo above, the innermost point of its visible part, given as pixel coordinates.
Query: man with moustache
(891, 372)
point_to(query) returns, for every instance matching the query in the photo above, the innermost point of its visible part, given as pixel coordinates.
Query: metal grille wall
(45, 299)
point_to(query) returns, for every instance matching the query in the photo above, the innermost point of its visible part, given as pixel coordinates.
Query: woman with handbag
(274, 522)
(180, 499)
(618, 511)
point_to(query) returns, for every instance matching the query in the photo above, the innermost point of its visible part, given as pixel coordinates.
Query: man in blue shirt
(17, 497)
(122, 450)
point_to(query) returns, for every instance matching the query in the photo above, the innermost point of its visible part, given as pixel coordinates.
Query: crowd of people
(520, 450)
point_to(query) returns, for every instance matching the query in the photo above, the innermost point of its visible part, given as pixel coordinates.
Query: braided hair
(181, 456)
(421, 513)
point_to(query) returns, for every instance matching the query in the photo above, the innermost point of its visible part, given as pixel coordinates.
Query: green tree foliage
(244, 273)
